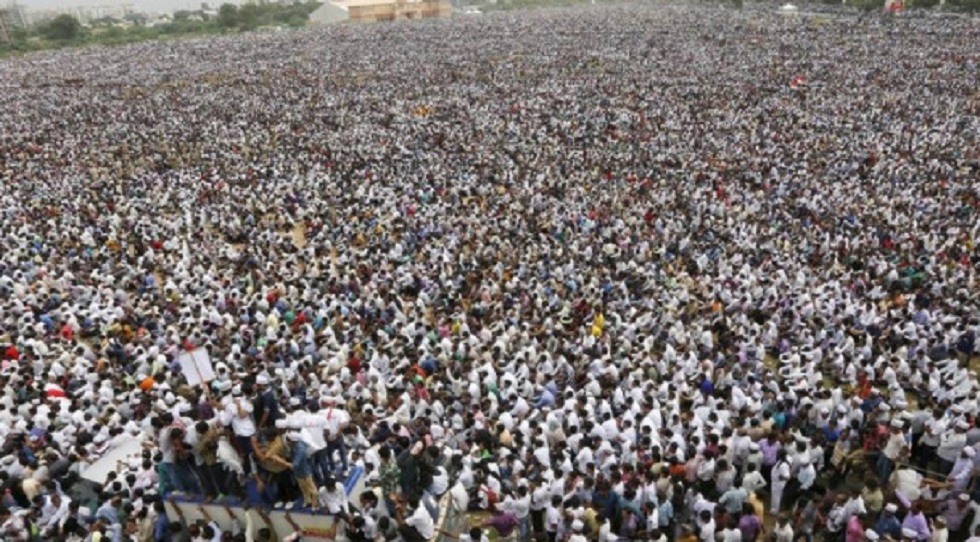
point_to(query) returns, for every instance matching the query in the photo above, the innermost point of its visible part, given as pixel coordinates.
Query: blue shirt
(707, 387)
(545, 400)
(301, 460)
(889, 525)
(665, 513)
(161, 532)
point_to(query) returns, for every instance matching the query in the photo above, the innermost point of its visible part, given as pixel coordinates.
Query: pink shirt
(855, 531)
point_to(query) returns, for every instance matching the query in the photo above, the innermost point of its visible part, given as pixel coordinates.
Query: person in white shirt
(780, 476)
(54, 510)
(418, 526)
(807, 475)
(577, 527)
(783, 529)
(752, 480)
(520, 507)
(314, 427)
(553, 518)
(894, 448)
(337, 419)
(950, 446)
(976, 535)
(238, 414)
(440, 481)
(705, 522)
(332, 497)
(475, 534)
(731, 533)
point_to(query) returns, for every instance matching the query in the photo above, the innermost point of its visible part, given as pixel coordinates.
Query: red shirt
(354, 364)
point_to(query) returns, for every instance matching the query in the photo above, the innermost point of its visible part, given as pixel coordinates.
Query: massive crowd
(640, 272)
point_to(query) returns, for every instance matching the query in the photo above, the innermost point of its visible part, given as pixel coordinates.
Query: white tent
(329, 13)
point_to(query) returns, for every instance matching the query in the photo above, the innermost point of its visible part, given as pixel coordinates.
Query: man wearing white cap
(888, 524)
(933, 430)
(916, 522)
(238, 414)
(951, 446)
(961, 473)
(577, 527)
(895, 448)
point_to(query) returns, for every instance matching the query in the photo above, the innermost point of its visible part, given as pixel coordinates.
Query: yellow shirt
(760, 509)
(591, 520)
(275, 448)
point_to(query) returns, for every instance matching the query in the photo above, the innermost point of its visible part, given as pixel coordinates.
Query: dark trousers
(321, 466)
(244, 445)
(926, 455)
(338, 446)
(766, 471)
(186, 478)
(537, 521)
(213, 478)
(410, 534)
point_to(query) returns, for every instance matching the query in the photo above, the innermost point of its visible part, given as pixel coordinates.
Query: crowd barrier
(282, 522)
(451, 520)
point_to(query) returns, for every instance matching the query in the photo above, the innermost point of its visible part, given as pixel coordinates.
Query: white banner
(196, 366)
(111, 460)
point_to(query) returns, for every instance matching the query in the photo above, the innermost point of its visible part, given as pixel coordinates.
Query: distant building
(369, 11)
(112, 9)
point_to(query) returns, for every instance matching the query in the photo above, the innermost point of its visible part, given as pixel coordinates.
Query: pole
(933, 474)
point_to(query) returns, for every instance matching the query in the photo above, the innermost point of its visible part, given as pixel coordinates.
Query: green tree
(228, 16)
(62, 28)
(137, 19)
(248, 16)
(113, 33)
(964, 5)
(18, 34)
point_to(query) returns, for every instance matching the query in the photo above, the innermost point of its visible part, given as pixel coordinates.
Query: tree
(62, 28)
(138, 19)
(228, 16)
(18, 35)
(248, 16)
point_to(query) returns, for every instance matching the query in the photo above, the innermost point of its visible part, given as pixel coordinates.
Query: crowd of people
(639, 272)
